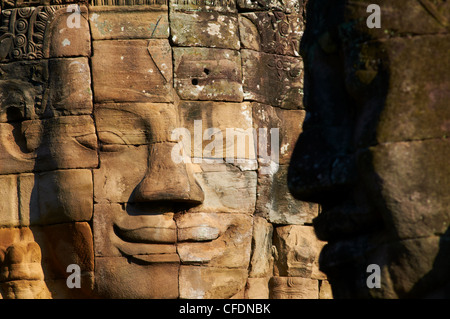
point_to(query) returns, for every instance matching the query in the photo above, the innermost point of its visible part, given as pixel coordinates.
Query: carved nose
(167, 181)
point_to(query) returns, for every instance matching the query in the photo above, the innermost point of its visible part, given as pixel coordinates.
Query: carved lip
(160, 229)
(147, 234)
(198, 233)
(345, 221)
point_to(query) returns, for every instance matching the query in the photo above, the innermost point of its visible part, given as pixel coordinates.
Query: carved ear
(6, 44)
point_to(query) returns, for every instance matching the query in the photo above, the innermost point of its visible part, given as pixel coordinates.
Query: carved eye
(89, 141)
(111, 142)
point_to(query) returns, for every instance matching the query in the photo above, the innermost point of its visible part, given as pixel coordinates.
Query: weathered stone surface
(271, 32)
(116, 278)
(289, 6)
(325, 291)
(227, 6)
(133, 22)
(289, 125)
(220, 240)
(30, 256)
(31, 89)
(400, 18)
(272, 79)
(67, 142)
(48, 198)
(293, 288)
(276, 203)
(208, 74)
(60, 142)
(399, 173)
(297, 251)
(64, 196)
(145, 4)
(261, 262)
(24, 289)
(145, 182)
(135, 123)
(225, 131)
(205, 29)
(43, 32)
(62, 245)
(257, 288)
(227, 189)
(198, 283)
(9, 210)
(132, 71)
(384, 113)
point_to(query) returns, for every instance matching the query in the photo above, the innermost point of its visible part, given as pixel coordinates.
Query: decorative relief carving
(22, 32)
(31, 33)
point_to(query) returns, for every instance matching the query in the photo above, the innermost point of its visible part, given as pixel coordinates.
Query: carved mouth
(153, 238)
(345, 221)
(351, 233)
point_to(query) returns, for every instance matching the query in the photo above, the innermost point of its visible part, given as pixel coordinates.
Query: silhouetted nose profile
(167, 181)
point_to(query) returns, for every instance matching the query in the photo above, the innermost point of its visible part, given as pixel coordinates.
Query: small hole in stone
(194, 81)
(206, 71)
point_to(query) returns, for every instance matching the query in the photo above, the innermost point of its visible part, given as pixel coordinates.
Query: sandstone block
(208, 74)
(24, 289)
(325, 291)
(293, 288)
(223, 6)
(275, 202)
(257, 288)
(67, 142)
(289, 125)
(210, 282)
(220, 240)
(132, 71)
(130, 22)
(116, 278)
(227, 189)
(261, 262)
(9, 210)
(385, 108)
(272, 79)
(394, 169)
(271, 32)
(297, 252)
(289, 6)
(64, 196)
(204, 29)
(45, 88)
(62, 245)
(218, 130)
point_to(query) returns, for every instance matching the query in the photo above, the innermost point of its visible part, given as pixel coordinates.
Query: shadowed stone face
(374, 150)
(87, 117)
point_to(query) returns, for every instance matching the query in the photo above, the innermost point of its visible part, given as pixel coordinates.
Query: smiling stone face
(87, 122)
(375, 144)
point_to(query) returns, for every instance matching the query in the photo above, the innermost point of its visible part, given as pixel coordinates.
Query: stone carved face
(374, 149)
(86, 151)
